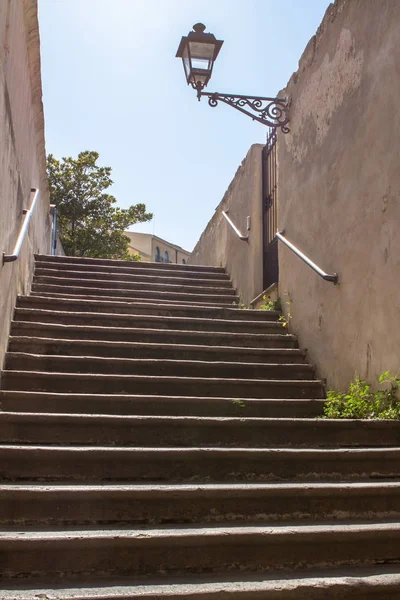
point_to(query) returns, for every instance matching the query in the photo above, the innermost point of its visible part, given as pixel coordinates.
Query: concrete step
(35, 504)
(67, 347)
(100, 383)
(184, 431)
(139, 293)
(116, 284)
(153, 335)
(165, 300)
(48, 402)
(146, 278)
(133, 269)
(141, 308)
(206, 465)
(117, 264)
(350, 583)
(146, 321)
(20, 361)
(176, 551)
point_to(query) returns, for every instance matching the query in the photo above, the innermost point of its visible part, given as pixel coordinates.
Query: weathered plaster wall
(219, 245)
(22, 151)
(339, 191)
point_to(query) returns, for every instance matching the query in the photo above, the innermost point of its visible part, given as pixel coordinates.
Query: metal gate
(270, 215)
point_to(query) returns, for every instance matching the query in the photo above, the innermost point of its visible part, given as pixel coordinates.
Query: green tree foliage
(89, 224)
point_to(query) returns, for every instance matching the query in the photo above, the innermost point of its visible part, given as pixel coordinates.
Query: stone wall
(339, 191)
(22, 151)
(220, 246)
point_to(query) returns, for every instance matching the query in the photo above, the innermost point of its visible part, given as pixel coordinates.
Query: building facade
(154, 249)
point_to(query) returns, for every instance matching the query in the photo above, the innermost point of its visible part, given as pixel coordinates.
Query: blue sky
(111, 83)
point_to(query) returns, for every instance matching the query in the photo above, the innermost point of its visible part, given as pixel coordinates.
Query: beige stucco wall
(339, 192)
(22, 151)
(219, 245)
(146, 243)
(140, 243)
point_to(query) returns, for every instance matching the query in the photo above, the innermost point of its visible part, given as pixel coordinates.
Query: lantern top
(198, 35)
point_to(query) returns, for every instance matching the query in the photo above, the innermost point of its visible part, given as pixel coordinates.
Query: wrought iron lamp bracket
(272, 112)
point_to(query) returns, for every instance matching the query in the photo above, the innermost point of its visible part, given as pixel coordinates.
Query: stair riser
(137, 308)
(188, 465)
(128, 285)
(119, 507)
(147, 322)
(157, 367)
(59, 268)
(80, 430)
(54, 331)
(147, 295)
(154, 405)
(216, 554)
(98, 384)
(135, 278)
(152, 351)
(115, 264)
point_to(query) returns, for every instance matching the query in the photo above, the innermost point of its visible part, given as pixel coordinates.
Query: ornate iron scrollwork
(273, 112)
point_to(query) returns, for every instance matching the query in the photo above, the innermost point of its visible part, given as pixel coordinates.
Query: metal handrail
(27, 212)
(334, 278)
(244, 238)
(53, 245)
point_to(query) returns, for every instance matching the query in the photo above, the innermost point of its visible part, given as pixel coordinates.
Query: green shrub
(361, 403)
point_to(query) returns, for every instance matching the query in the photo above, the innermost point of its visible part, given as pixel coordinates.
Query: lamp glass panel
(202, 55)
(186, 62)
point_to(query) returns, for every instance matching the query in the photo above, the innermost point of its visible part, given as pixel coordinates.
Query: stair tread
(115, 263)
(105, 328)
(228, 420)
(166, 378)
(259, 314)
(217, 450)
(137, 317)
(130, 285)
(161, 361)
(155, 277)
(64, 295)
(117, 344)
(312, 585)
(149, 293)
(160, 489)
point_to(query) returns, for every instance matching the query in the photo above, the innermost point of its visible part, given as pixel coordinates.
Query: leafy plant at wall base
(362, 403)
(271, 304)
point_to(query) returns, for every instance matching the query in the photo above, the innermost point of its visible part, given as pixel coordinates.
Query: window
(166, 256)
(157, 254)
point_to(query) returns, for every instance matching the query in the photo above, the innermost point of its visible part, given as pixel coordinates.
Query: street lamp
(198, 51)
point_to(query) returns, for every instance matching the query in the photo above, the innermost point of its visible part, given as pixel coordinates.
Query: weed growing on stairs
(361, 403)
(285, 319)
(239, 402)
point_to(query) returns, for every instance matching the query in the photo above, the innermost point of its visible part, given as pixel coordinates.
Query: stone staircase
(156, 441)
